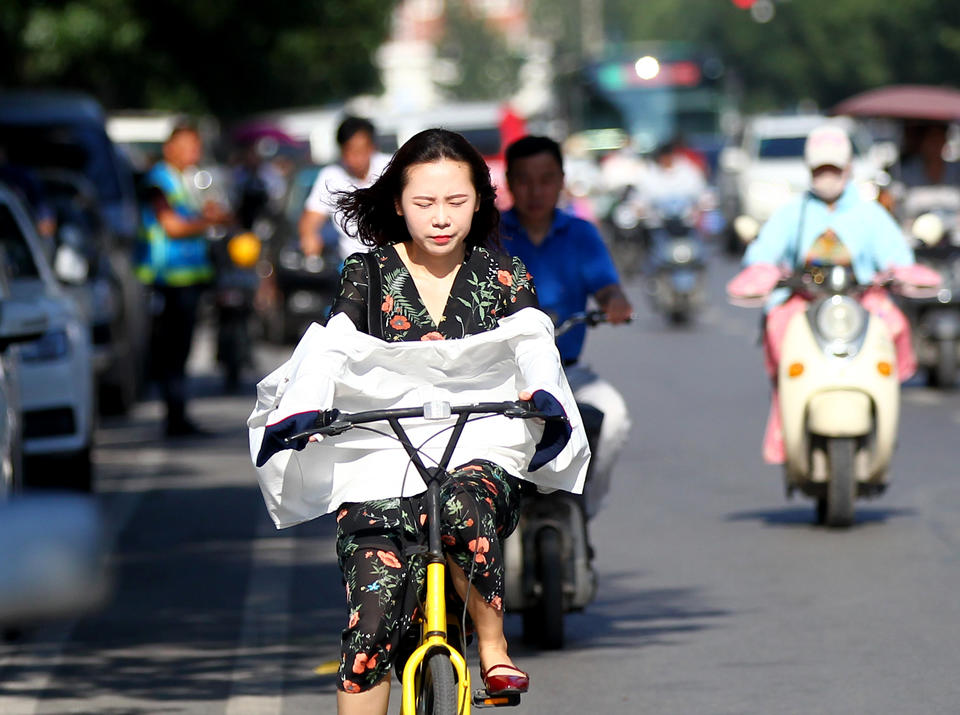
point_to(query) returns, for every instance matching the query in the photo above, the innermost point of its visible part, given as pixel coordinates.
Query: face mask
(829, 185)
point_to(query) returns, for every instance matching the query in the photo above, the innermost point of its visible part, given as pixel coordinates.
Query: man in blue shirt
(569, 263)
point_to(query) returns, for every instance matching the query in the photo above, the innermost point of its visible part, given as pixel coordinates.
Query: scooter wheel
(547, 616)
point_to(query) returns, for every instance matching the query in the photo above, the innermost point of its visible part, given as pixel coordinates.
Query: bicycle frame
(434, 622)
(434, 625)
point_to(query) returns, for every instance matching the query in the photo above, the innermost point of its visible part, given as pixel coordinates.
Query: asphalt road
(717, 595)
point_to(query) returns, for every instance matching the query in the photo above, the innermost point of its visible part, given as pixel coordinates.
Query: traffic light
(743, 4)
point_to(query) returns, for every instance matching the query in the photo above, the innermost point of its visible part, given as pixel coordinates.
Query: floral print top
(488, 286)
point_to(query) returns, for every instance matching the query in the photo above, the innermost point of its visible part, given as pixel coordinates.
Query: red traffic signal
(743, 4)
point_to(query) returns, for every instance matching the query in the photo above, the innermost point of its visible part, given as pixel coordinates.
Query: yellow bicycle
(436, 680)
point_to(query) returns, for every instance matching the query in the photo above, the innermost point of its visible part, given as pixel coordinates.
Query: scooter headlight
(840, 319)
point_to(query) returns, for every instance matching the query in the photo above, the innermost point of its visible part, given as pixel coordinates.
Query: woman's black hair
(371, 214)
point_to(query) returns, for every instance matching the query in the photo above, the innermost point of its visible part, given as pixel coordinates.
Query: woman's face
(437, 204)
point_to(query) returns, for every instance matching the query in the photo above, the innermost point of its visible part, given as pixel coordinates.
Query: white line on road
(257, 685)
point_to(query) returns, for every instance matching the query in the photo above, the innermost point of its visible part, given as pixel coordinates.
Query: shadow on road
(806, 516)
(171, 632)
(625, 617)
(183, 565)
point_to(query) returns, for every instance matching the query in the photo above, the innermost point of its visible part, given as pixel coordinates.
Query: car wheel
(73, 472)
(117, 398)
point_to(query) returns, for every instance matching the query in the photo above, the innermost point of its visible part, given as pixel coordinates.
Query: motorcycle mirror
(70, 265)
(928, 228)
(746, 227)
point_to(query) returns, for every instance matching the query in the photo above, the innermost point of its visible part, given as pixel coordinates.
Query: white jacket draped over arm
(339, 366)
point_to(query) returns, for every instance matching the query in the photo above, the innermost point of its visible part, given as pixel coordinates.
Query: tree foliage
(487, 68)
(227, 56)
(820, 50)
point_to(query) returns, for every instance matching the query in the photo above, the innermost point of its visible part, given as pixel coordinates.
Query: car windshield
(781, 148)
(80, 147)
(19, 257)
(790, 147)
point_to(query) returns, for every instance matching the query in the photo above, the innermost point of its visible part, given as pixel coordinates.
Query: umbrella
(905, 101)
(255, 131)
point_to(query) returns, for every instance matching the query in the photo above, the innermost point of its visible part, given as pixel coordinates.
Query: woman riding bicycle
(431, 223)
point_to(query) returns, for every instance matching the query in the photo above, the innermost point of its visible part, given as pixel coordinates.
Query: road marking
(257, 684)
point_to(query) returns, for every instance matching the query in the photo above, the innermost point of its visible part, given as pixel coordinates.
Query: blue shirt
(571, 264)
(873, 239)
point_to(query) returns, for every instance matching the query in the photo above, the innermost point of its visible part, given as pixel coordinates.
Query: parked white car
(19, 322)
(766, 169)
(56, 370)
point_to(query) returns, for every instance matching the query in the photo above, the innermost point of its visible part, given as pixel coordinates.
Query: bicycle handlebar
(333, 422)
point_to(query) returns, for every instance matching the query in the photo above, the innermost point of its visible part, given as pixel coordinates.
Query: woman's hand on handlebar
(526, 396)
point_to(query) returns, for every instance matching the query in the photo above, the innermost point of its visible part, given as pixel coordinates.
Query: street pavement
(717, 595)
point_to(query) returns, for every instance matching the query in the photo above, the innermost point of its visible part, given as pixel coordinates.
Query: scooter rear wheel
(543, 624)
(946, 367)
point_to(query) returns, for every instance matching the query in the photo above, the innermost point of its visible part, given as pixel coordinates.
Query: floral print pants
(385, 579)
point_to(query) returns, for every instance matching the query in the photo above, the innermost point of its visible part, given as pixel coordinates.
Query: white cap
(827, 145)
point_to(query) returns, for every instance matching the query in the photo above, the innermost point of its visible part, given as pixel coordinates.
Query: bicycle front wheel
(438, 686)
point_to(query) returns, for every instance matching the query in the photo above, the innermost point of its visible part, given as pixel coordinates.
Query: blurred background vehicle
(655, 93)
(303, 286)
(20, 321)
(56, 370)
(677, 259)
(81, 261)
(924, 196)
(53, 563)
(67, 130)
(236, 258)
(935, 231)
(61, 137)
(765, 169)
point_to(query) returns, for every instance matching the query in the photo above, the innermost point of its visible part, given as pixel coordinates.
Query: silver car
(56, 370)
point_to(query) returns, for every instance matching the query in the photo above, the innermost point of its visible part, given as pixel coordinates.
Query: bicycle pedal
(483, 699)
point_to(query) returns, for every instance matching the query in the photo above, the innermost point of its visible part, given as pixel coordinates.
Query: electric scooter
(547, 558)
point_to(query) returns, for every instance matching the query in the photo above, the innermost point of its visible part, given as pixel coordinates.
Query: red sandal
(505, 684)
